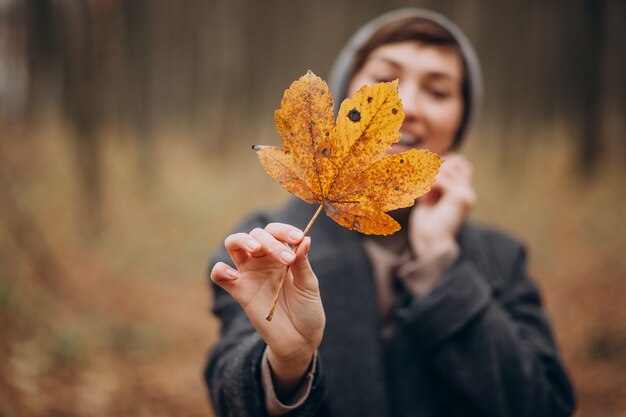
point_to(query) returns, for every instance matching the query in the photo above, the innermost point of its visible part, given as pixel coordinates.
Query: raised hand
(260, 258)
(436, 219)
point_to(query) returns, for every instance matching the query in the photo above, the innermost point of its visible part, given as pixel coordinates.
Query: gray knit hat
(341, 70)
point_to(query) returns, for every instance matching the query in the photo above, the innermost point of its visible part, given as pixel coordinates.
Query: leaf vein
(361, 138)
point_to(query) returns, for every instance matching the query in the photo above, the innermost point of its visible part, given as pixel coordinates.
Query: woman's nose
(411, 102)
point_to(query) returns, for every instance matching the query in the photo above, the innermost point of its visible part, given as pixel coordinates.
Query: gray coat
(478, 344)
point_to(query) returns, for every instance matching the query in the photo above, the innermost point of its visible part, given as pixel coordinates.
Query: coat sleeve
(233, 370)
(489, 338)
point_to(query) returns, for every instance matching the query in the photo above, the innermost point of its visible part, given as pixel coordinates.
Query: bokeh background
(125, 133)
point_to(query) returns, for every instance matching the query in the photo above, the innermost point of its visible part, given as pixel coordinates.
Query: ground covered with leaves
(104, 308)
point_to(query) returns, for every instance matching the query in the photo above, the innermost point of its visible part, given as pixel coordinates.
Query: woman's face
(430, 79)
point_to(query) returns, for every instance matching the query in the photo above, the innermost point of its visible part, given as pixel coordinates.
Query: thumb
(303, 274)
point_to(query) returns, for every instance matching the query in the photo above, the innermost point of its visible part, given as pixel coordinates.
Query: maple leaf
(344, 167)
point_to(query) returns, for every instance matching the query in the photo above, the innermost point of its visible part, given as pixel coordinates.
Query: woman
(439, 319)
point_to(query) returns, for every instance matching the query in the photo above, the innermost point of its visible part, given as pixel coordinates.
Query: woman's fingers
(453, 184)
(259, 242)
(230, 280)
(240, 246)
(223, 273)
(303, 275)
(273, 247)
(285, 232)
(456, 166)
(457, 189)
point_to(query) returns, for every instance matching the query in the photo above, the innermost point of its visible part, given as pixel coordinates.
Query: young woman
(439, 319)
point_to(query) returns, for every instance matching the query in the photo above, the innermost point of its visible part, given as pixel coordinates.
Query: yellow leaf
(345, 167)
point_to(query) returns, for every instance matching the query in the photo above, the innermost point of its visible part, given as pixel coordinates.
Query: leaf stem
(281, 284)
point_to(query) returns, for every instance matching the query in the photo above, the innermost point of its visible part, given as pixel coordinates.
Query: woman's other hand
(439, 214)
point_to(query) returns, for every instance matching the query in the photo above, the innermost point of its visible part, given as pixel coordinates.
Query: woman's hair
(414, 29)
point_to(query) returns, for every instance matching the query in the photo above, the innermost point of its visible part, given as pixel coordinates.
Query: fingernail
(287, 256)
(295, 235)
(232, 273)
(252, 245)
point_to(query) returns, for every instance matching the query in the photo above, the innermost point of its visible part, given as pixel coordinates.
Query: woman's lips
(406, 143)
(397, 148)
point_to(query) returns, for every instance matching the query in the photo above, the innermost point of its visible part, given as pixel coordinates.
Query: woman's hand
(435, 220)
(260, 258)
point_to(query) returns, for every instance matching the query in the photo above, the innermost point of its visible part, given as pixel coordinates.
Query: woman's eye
(439, 94)
(383, 78)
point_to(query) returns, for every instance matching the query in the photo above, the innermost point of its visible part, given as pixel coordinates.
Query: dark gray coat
(478, 344)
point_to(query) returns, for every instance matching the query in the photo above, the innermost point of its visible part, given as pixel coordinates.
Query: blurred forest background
(125, 133)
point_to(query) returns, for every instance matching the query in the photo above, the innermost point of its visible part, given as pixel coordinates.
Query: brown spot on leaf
(396, 188)
(354, 115)
(394, 111)
(402, 161)
(369, 99)
(327, 134)
(326, 152)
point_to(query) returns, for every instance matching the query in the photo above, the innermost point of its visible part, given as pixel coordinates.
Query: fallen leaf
(345, 166)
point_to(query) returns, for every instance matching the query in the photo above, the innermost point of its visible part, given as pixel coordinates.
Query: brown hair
(415, 29)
